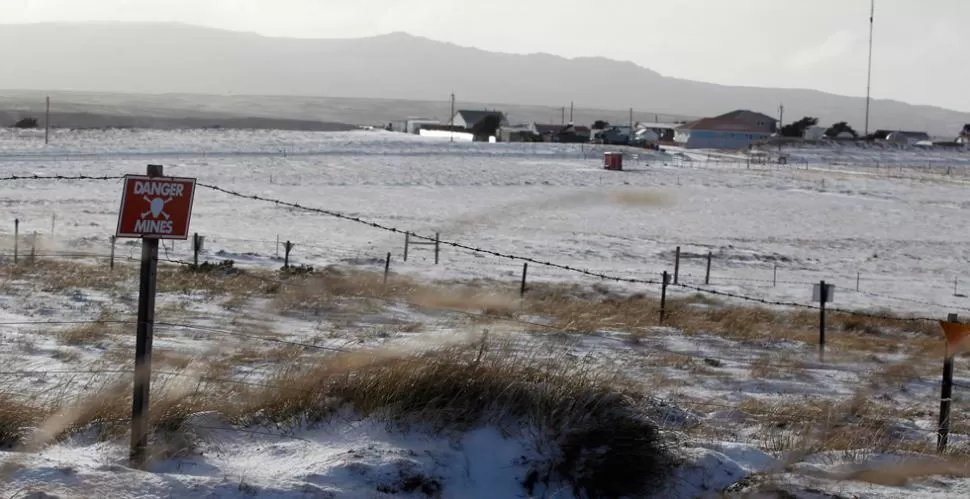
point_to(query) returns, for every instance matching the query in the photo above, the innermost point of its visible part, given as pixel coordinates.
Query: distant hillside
(105, 120)
(180, 59)
(78, 109)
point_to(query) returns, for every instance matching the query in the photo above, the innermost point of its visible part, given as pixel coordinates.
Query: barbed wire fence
(703, 290)
(435, 239)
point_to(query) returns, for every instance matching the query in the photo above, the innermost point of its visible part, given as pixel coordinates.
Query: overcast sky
(921, 47)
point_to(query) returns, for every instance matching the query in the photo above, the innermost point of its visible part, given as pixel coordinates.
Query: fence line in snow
(416, 238)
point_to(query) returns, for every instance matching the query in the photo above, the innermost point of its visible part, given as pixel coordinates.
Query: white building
(815, 133)
(467, 119)
(412, 126)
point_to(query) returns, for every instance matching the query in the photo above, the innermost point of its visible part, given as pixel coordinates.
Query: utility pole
(571, 111)
(47, 122)
(631, 124)
(872, 15)
(781, 115)
(451, 133)
(563, 116)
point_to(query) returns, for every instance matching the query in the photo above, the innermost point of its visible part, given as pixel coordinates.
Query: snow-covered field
(891, 222)
(899, 231)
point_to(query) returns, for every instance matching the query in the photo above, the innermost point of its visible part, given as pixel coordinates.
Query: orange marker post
(956, 335)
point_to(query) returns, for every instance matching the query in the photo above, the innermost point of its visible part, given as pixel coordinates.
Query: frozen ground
(895, 221)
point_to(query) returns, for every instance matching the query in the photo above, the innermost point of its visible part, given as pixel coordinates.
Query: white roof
(645, 124)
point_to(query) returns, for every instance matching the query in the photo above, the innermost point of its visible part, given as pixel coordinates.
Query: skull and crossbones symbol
(157, 207)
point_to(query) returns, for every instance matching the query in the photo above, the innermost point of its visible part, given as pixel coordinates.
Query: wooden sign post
(822, 293)
(153, 207)
(956, 335)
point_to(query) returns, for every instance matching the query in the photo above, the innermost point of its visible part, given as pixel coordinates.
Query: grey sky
(921, 47)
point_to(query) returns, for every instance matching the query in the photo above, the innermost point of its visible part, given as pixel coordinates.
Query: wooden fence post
(437, 246)
(407, 242)
(677, 266)
(823, 297)
(663, 296)
(16, 239)
(707, 276)
(286, 256)
(774, 277)
(33, 247)
(111, 263)
(196, 247)
(858, 280)
(387, 266)
(946, 397)
(525, 271)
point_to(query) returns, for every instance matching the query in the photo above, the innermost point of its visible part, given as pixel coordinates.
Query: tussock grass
(590, 428)
(57, 275)
(329, 291)
(854, 429)
(775, 366)
(901, 473)
(237, 285)
(93, 333)
(16, 417)
(572, 308)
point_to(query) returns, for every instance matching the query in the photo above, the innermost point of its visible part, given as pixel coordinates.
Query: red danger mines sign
(156, 207)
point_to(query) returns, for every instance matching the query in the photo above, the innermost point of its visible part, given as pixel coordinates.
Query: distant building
(756, 119)
(964, 138)
(411, 125)
(548, 133)
(900, 137)
(467, 119)
(646, 136)
(908, 138)
(615, 135)
(665, 131)
(816, 133)
(414, 125)
(540, 132)
(735, 130)
(575, 134)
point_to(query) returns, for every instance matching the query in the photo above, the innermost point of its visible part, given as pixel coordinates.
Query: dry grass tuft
(330, 291)
(595, 435)
(238, 285)
(855, 428)
(55, 275)
(470, 300)
(629, 197)
(16, 417)
(168, 359)
(93, 333)
(901, 473)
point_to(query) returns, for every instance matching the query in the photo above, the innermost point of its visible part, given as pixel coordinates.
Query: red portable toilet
(613, 161)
